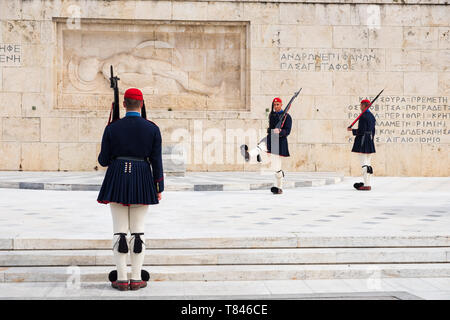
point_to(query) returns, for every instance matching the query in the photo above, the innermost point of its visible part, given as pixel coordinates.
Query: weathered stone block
(21, 129)
(225, 11)
(267, 36)
(435, 16)
(153, 10)
(302, 107)
(351, 37)
(59, 129)
(36, 104)
(400, 15)
(365, 15)
(37, 55)
(10, 155)
(444, 83)
(425, 83)
(321, 157)
(392, 82)
(22, 79)
(187, 10)
(435, 159)
(435, 60)
(315, 131)
(10, 9)
(39, 156)
(400, 160)
(329, 107)
(402, 60)
(265, 59)
(350, 83)
(333, 14)
(77, 156)
(298, 14)
(255, 82)
(41, 10)
(420, 37)
(10, 104)
(315, 83)
(20, 31)
(258, 13)
(301, 157)
(314, 37)
(444, 37)
(174, 131)
(91, 129)
(340, 135)
(386, 37)
(279, 82)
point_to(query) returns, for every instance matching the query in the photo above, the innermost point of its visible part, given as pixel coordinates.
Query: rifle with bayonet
(286, 110)
(350, 126)
(115, 111)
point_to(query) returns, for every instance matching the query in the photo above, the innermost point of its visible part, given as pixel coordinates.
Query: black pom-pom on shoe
(276, 190)
(145, 276)
(358, 185)
(244, 152)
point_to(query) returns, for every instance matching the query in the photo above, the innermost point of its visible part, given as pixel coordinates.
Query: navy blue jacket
(134, 136)
(365, 134)
(285, 131)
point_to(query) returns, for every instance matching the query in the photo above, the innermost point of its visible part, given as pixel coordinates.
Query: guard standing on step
(275, 144)
(364, 144)
(131, 149)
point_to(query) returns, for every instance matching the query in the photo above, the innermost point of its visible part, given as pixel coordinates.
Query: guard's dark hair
(132, 104)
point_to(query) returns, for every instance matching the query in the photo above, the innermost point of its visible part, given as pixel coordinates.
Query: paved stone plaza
(402, 212)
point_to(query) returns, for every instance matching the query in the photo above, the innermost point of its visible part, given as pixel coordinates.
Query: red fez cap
(134, 94)
(277, 100)
(365, 101)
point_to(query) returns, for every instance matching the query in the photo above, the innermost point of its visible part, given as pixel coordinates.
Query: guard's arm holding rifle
(104, 158)
(362, 127)
(157, 165)
(286, 129)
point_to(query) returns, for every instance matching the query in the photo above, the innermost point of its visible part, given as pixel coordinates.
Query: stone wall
(209, 71)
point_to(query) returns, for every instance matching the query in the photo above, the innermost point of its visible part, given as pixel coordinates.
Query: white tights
(365, 161)
(128, 218)
(273, 159)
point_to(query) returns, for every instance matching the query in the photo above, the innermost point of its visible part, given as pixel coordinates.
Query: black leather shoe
(120, 285)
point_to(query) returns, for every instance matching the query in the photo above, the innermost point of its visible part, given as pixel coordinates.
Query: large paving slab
(191, 181)
(269, 289)
(397, 212)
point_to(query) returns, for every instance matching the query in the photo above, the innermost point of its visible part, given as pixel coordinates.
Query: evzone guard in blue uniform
(131, 149)
(364, 144)
(275, 144)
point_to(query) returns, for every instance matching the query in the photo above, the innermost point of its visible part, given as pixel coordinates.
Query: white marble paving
(396, 206)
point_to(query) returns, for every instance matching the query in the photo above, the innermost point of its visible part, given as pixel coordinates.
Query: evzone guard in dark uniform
(131, 149)
(364, 144)
(275, 144)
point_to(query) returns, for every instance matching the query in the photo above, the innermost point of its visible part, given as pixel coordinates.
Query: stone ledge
(243, 242)
(268, 256)
(176, 180)
(235, 273)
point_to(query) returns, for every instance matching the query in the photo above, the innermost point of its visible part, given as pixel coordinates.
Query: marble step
(73, 274)
(283, 241)
(229, 256)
